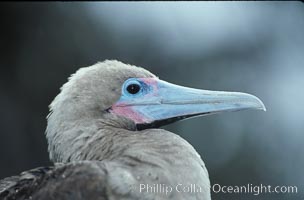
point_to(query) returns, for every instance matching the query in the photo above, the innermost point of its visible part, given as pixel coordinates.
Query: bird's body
(99, 128)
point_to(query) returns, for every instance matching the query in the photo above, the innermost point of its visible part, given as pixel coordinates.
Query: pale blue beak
(158, 102)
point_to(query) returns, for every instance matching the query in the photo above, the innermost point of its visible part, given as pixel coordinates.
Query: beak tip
(263, 108)
(261, 105)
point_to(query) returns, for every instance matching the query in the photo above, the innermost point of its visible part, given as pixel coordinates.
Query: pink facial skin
(127, 111)
(150, 81)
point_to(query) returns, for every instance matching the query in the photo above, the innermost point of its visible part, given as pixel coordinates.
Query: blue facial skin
(156, 100)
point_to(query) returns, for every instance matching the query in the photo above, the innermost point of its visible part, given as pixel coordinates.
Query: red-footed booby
(103, 129)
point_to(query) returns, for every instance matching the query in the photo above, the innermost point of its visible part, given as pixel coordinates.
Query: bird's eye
(133, 88)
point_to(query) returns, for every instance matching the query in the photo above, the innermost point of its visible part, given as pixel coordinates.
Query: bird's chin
(163, 122)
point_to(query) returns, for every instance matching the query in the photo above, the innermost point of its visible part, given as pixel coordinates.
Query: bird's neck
(96, 140)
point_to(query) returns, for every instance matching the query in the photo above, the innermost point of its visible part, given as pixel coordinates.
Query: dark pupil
(133, 88)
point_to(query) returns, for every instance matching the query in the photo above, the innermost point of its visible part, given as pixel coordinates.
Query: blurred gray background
(254, 47)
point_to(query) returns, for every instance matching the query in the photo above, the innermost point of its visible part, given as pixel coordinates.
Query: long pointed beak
(167, 102)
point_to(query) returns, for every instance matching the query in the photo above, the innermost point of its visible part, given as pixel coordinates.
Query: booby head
(115, 94)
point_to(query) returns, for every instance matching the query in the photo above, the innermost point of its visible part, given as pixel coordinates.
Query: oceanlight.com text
(253, 189)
